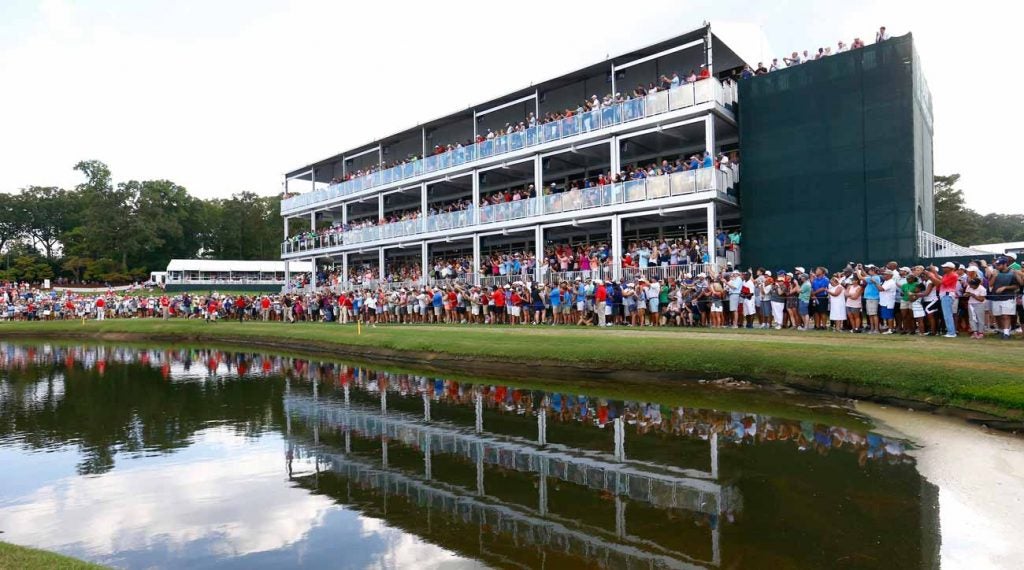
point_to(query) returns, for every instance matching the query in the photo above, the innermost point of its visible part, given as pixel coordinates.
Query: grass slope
(23, 558)
(983, 375)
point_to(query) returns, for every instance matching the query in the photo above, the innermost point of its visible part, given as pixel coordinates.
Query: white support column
(312, 179)
(380, 207)
(344, 212)
(383, 401)
(542, 507)
(424, 261)
(312, 221)
(480, 469)
(542, 426)
(476, 259)
(380, 155)
(344, 270)
(423, 205)
(707, 51)
(614, 156)
(476, 196)
(538, 240)
(709, 134)
(620, 517)
(536, 105)
(616, 247)
(620, 440)
(312, 273)
(538, 179)
(711, 232)
(424, 131)
(426, 407)
(286, 187)
(286, 218)
(478, 400)
(428, 471)
(614, 90)
(714, 455)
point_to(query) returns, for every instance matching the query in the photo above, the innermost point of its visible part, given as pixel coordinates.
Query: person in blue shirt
(819, 289)
(709, 161)
(556, 305)
(437, 302)
(694, 163)
(872, 284)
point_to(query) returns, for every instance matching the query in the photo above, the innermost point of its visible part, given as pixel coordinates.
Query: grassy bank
(23, 558)
(975, 375)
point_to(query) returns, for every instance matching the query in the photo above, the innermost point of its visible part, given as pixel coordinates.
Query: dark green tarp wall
(836, 158)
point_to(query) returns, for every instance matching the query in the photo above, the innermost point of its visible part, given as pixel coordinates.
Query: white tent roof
(237, 266)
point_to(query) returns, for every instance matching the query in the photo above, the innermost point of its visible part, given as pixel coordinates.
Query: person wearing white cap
(887, 300)
(976, 293)
(1003, 289)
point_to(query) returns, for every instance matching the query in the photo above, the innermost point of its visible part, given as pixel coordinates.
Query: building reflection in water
(535, 478)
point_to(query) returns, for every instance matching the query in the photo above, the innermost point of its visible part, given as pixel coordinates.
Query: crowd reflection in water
(735, 427)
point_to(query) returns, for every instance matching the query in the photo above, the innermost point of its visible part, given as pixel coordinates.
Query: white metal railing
(683, 96)
(931, 245)
(653, 188)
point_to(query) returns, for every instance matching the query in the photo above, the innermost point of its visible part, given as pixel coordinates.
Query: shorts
(748, 307)
(803, 307)
(437, 311)
(566, 309)
(581, 306)
(515, 310)
(538, 307)
(931, 306)
(1003, 308)
(871, 307)
(716, 306)
(766, 308)
(671, 314)
(734, 302)
(888, 313)
(476, 310)
(917, 309)
(627, 310)
(653, 304)
(822, 307)
(460, 310)
(852, 310)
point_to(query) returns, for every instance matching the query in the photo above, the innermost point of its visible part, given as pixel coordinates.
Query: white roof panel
(237, 266)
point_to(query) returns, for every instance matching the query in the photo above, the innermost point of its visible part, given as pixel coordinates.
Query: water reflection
(265, 453)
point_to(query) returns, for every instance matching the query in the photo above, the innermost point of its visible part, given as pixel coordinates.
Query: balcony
(632, 191)
(681, 97)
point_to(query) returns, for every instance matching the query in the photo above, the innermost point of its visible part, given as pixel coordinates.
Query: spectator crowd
(976, 299)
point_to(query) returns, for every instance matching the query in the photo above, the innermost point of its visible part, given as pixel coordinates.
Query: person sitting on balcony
(857, 43)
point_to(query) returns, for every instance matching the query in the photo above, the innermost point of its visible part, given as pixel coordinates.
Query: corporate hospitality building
(835, 158)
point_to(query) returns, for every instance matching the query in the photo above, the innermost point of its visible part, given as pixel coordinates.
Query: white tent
(220, 271)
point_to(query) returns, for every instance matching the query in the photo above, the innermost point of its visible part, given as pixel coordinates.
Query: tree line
(106, 232)
(963, 226)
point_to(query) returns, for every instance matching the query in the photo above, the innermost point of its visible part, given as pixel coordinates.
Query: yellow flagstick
(359, 327)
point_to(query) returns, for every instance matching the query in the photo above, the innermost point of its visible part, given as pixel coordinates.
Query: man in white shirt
(887, 301)
(881, 36)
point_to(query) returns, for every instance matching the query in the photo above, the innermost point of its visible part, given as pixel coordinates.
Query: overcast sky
(224, 96)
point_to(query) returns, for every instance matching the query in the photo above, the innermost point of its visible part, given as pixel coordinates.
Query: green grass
(980, 375)
(23, 558)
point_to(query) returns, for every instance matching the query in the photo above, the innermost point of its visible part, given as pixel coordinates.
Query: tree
(12, 219)
(962, 225)
(48, 213)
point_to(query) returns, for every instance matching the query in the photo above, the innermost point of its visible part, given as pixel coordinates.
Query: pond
(143, 457)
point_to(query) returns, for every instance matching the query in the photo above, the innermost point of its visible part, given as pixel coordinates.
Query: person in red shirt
(101, 308)
(265, 308)
(211, 310)
(515, 307)
(499, 305)
(600, 298)
(165, 306)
